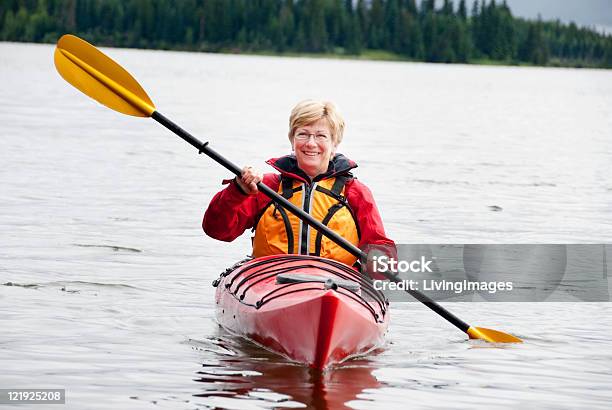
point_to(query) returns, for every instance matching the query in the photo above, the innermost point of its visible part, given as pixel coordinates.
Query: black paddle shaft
(203, 148)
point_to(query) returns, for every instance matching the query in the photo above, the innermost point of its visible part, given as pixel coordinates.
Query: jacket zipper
(305, 228)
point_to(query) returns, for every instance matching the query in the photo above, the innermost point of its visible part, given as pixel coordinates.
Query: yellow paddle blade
(490, 335)
(98, 76)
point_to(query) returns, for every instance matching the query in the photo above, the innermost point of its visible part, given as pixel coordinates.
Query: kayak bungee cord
(258, 272)
(99, 77)
(353, 275)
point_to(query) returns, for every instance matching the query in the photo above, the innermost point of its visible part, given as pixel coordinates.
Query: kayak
(314, 311)
(311, 310)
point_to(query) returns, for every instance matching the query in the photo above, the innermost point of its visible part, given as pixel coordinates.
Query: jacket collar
(287, 166)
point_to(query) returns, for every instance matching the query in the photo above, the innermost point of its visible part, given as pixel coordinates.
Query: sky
(593, 13)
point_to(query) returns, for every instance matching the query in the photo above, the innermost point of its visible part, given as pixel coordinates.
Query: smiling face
(314, 147)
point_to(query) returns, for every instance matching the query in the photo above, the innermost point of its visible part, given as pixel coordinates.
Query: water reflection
(243, 375)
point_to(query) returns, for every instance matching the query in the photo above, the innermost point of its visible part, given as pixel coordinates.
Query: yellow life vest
(280, 232)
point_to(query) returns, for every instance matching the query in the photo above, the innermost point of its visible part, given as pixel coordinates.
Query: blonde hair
(308, 111)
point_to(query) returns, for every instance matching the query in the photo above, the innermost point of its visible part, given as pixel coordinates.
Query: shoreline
(367, 55)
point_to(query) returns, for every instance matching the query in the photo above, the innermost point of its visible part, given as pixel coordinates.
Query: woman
(315, 178)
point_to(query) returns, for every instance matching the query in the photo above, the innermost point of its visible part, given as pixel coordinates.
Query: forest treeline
(419, 31)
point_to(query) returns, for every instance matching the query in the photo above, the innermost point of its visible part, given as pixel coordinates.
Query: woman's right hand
(248, 181)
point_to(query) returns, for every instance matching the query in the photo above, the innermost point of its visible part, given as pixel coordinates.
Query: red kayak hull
(309, 322)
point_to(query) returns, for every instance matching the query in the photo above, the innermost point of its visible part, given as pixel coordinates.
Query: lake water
(111, 294)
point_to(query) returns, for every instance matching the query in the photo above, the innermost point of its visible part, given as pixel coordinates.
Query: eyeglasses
(303, 136)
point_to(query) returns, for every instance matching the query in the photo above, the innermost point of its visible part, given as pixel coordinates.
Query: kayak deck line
(348, 282)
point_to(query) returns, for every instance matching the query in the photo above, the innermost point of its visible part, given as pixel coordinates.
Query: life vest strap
(336, 189)
(287, 187)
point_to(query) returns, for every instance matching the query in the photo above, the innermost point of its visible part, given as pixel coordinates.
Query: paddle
(99, 77)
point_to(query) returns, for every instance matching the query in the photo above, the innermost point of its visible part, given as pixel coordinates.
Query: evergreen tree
(462, 12)
(316, 37)
(393, 24)
(430, 32)
(377, 37)
(363, 18)
(410, 6)
(535, 49)
(286, 25)
(411, 40)
(447, 8)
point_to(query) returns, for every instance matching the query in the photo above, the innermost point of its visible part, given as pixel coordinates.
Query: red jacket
(231, 211)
